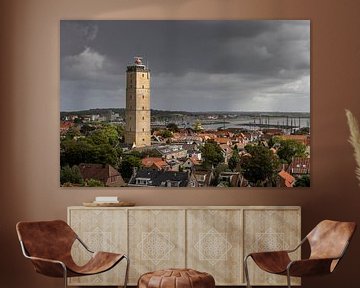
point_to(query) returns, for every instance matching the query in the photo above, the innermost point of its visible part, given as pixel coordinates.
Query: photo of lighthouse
(185, 103)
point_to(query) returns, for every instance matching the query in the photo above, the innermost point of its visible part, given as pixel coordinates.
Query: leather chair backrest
(329, 239)
(46, 239)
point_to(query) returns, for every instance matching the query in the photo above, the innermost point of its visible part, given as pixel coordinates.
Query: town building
(232, 179)
(107, 174)
(156, 178)
(169, 152)
(299, 166)
(203, 177)
(284, 179)
(303, 139)
(156, 163)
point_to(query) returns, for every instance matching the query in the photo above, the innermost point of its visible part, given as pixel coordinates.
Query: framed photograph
(155, 103)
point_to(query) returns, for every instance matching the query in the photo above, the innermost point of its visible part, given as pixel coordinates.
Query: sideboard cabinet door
(268, 230)
(101, 230)
(156, 240)
(214, 243)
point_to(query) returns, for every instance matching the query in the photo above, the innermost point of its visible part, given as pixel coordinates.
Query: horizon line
(213, 111)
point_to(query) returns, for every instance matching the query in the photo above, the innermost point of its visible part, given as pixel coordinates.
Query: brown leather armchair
(48, 245)
(328, 242)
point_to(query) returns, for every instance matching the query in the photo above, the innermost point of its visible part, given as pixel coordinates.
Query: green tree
(70, 175)
(166, 134)
(127, 166)
(222, 167)
(303, 181)
(74, 152)
(135, 153)
(121, 132)
(289, 149)
(105, 154)
(173, 127)
(86, 129)
(212, 154)
(274, 141)
(73, 131)
(94, 183)
(260, 166)
(100, 146)
(108, 134)
(197, 126)
(234, 160)
(78, 121)
(150, 153)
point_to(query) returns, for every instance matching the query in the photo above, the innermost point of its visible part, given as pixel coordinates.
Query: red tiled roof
(272, 131)
(104, 173)
(206, 136)
(66, 124)
(299, 165)
(158, 162)
(289, 180)
(222, 140)
(304, 139)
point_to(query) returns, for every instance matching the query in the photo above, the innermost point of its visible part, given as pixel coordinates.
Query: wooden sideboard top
(193, 207)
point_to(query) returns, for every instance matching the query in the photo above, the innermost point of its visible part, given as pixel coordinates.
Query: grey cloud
(215, 64)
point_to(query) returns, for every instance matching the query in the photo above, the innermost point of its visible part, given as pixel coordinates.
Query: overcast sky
(195, 65)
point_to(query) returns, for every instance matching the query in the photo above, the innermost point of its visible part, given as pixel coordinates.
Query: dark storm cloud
(195, 65)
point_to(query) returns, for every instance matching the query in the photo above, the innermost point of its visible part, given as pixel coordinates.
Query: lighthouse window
(143, 75)
(143, 86)
(143, 96)
(143, 118)
(143, 139)
(143, 129)
(143, 108)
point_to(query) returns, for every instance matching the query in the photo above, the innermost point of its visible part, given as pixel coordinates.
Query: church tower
(137, 112)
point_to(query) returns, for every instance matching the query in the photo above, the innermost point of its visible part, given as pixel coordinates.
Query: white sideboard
(211, 239)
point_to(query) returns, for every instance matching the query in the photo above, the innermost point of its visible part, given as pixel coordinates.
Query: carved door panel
(156, 240)
(214, 244)
(101, 230)
(269, 230)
